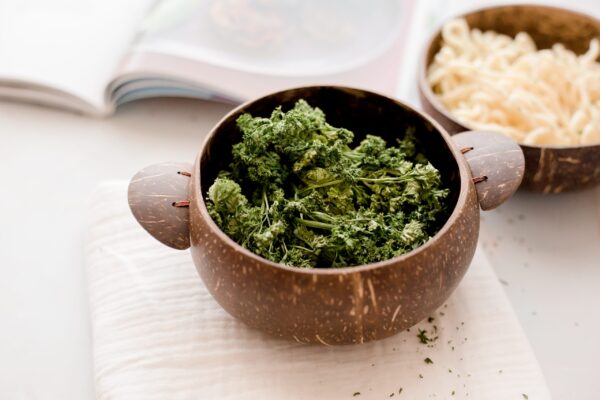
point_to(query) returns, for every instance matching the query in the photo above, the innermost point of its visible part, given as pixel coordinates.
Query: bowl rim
(465, 182)
(433, 100)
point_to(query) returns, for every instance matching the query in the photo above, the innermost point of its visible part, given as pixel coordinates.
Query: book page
(70, 46)
(244, 48)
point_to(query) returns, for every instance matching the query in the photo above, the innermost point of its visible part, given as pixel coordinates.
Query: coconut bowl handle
(497, 165)
(158, 197)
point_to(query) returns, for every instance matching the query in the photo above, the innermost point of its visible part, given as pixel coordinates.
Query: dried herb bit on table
(423, 338)
(296, 193)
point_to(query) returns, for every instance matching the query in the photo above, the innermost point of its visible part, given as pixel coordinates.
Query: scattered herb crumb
(428, 361)
(423, 336)
(453, 392)
(449, 370)
(525, 396)
(420, 376)
(499, 371)
(400, 391)
(356, 394)
(430, 319)
(392, 394)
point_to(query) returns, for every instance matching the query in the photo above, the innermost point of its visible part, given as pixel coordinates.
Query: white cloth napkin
(158, 334)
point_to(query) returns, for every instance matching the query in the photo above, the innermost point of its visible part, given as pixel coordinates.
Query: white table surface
(546, 250)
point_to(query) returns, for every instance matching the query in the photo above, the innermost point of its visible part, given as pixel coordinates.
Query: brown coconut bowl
(548, 169)
(343, 305)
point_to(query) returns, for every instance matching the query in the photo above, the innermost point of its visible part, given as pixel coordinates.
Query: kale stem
(296, 198)
(366, 184)
(385, 179)
(302, 248)
(315, 224)
(354, 156)
(322, 216)
(266, 200)
(394, 172)
(330, 183)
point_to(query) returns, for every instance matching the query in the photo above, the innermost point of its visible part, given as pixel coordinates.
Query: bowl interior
(360, 111)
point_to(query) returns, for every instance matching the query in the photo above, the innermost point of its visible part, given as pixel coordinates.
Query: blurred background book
(92, 56)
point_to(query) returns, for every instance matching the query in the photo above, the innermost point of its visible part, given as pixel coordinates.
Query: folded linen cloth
(158, 334)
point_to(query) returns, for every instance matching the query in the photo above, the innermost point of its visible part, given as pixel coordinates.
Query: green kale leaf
(296, 193)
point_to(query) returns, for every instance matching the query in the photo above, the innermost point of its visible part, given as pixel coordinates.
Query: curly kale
(296, 193)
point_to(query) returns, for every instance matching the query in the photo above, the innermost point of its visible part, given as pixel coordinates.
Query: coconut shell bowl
(332, 305)
(548, 169)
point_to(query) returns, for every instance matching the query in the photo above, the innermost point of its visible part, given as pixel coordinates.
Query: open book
(93, 55)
